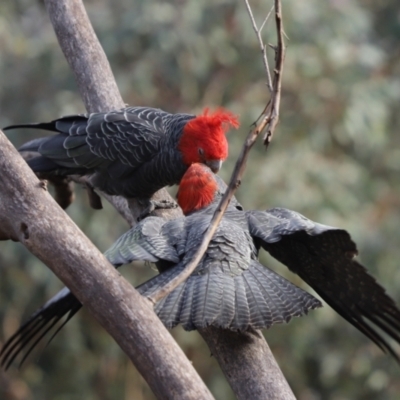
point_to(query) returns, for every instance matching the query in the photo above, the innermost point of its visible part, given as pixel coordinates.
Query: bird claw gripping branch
(152, 205)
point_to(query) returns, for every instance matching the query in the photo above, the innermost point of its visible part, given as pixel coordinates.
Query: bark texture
(82, 50)
(248, 364)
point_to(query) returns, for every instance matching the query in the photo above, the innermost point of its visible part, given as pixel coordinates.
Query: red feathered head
(197, 188)
(203, 139)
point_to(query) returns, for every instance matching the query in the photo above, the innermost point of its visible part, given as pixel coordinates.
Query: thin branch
(263, 47)
(266, 18)
(275, 102)
(267, 121)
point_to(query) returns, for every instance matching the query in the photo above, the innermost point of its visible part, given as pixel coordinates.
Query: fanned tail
(258, 298)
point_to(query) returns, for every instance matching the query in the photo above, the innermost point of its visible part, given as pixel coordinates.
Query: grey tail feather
(42, 164)
(58, 125)
(46, 126)
(258, 298)
(272, 299)
(33, 145)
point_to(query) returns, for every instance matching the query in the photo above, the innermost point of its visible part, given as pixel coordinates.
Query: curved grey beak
(214, 165)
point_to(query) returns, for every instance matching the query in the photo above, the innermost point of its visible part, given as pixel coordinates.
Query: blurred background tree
(335, 158)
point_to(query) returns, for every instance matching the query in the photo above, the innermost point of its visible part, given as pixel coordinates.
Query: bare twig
(267, 121)
(263, 47)
(274, 105)
(266, 18)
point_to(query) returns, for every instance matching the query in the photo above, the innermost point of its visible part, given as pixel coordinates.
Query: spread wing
(146, 241)
(324, 257)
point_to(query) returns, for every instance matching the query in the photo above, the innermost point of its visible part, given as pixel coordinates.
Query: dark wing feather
(37, 326)
(132, 152)
(62, 124)
(143, 242)
(146, 241)
(131, 135)
(127, 137)
(323, 257)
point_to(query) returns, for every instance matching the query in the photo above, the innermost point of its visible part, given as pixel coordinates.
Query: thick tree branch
(236, 352)
(32, 216)
(82, 50)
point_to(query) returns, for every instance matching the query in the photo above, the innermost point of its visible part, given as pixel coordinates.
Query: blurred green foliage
(335, 158)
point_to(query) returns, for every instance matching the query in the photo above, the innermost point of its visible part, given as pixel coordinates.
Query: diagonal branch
(34, 218)
(82, 49)
(239, 354)
(266, 123)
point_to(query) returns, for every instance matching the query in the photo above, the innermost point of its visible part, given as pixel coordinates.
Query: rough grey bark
(82, 50)
(30, 215)
(248, 364)
(99, 92)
